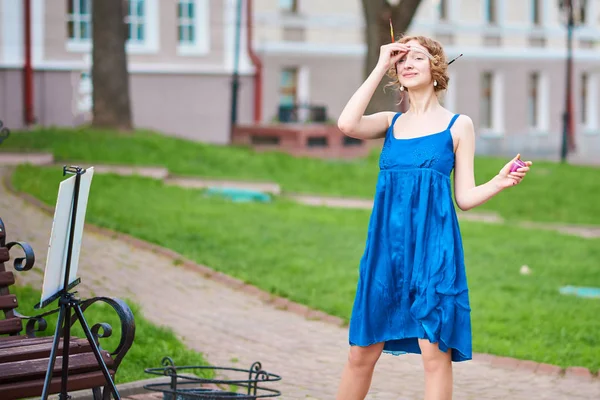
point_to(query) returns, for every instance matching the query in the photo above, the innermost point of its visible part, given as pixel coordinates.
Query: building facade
(510, 80)
(182, 55)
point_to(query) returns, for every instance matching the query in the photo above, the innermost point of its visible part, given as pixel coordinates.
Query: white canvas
(59, 237)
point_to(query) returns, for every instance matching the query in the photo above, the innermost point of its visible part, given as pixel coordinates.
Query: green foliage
(311, 255)
(551, 192)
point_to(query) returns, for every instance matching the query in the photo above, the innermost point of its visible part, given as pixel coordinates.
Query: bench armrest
(31, 328)
(104, 330)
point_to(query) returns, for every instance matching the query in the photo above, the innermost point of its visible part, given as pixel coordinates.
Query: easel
(68, 303)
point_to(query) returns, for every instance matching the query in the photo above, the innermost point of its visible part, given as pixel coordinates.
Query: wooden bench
(24, 357)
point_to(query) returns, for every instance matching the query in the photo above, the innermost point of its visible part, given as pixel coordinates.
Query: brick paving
(233, 327)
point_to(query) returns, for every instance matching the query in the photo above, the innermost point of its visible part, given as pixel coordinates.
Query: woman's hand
(390, 54)
(506, 179)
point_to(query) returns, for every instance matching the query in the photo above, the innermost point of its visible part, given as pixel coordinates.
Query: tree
(110, 77)
(377, 15)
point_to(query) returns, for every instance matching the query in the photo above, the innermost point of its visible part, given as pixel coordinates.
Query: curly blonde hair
(439, 64)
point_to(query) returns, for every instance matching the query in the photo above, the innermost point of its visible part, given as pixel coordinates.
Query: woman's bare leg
(438, 371)
(356, 378)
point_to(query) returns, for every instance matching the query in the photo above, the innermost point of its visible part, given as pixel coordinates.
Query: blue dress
(412, 282)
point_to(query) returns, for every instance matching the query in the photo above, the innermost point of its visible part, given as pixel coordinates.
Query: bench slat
(10, 325)
(20, 390)
(8, 302)
(7, 278)
(4, 256)
(29, 341)
(41, 350)
(35, 369)
(8, 341)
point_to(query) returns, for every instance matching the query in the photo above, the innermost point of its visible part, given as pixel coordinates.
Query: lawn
(551, 193)
(311, 255)
(151, 343)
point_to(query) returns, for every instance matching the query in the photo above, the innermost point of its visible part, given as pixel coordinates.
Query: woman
(412, 294)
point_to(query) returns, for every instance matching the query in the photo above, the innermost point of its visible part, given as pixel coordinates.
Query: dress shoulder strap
(395, 118)
(452, 121)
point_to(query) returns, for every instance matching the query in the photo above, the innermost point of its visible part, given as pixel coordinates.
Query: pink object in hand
(516, 165)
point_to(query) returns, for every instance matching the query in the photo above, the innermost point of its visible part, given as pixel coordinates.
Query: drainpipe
(27, 68)
(257, 64)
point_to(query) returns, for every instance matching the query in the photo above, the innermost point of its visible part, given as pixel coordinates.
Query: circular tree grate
(212, 383)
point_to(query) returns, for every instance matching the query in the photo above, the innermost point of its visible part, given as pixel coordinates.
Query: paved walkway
(234, 328)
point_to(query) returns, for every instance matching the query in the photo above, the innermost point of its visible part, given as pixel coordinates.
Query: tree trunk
(110, 77)
(377, 33)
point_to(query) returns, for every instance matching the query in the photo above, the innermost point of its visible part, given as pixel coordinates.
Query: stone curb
(287, 305)
(16, 158)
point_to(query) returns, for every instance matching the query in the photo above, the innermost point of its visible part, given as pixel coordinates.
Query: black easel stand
(67, 303)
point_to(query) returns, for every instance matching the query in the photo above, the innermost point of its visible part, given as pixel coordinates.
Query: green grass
(311, 256)
(551, 192)
(151, 343)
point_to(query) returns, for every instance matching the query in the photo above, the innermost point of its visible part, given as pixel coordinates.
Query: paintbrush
(455, 58)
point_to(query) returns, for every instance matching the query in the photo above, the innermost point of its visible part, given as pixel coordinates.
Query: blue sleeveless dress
(412, 282)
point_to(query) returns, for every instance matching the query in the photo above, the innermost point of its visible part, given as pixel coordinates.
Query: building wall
(180, 90)
(324, 40)
(331, 81)
(195, 106)
(330, 51)
(11, 98)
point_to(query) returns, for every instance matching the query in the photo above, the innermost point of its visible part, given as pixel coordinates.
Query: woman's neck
(422, 101)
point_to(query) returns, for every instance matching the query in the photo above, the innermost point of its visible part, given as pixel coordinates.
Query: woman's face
(414, 69)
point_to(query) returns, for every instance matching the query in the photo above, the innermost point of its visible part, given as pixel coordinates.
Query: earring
(435, 83)
(402, 88)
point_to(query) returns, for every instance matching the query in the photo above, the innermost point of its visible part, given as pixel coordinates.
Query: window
(290, 6)
(193, 27)
(79, 19)
(141, 18)
(589, 97)
(185, 21)
(491, 11)
(581, 14)
(443, 10)
(584, 99)
(536, 17)
(135, 19)
(486, 111)
(288, 88)
(533, 100)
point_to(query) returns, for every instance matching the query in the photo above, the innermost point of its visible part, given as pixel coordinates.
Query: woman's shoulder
(463, 127)
(464, 120)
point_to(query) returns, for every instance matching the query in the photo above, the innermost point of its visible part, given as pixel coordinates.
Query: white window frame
(11, 46)
(201, 24)
(543, 104)
(485, 4)
(135, 20)
(497, 126)
(149, 45)
(541, 13)
(77, 18)
(303, 92)
(290, 11)
(593, 86)
(438, 8)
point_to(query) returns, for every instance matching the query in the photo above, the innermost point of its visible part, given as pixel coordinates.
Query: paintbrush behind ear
(455, 58)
